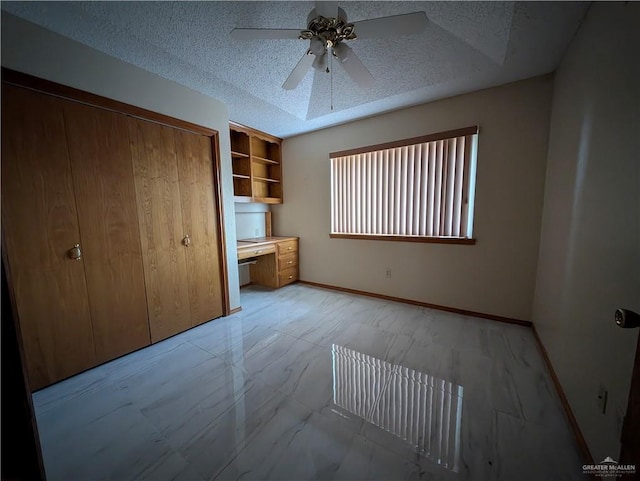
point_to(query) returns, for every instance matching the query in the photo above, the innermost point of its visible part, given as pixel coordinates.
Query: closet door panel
(199, 217)
(161, 231)
(107, 213)
(40, 226)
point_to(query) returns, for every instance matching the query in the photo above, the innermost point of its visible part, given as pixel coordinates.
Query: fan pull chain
(331, 74)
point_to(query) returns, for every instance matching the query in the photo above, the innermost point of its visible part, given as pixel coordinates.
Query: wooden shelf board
(263, 200)
(264, 179)
(264, 161)
(239, 155)
(268, 200)
(240, 176)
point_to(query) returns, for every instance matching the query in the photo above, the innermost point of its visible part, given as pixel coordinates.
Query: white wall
(590, 244)
(33, 50)
(495, 276)
(250, 222)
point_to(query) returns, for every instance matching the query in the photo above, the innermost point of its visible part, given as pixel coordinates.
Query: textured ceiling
(466, 46)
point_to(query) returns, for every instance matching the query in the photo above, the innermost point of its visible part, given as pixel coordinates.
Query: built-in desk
(273, 260)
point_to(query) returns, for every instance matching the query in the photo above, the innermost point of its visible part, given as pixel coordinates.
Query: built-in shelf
(256, 161)
(264, 200)
(264, 179)
(255, 158)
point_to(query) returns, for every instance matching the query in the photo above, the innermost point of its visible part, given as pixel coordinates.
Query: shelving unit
(241, 161)
(257, 165)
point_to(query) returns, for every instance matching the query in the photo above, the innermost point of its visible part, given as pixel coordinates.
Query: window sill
(401, 238)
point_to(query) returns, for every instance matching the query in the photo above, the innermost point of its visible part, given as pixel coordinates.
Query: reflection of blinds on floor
(421, 409)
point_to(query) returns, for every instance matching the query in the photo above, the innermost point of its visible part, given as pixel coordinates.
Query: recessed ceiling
(466, 46)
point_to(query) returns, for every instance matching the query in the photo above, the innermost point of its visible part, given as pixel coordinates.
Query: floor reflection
(420, 409)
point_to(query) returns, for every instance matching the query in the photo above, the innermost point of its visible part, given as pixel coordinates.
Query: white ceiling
(467, 46)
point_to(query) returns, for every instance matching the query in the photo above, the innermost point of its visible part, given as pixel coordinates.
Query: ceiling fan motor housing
(330, 30)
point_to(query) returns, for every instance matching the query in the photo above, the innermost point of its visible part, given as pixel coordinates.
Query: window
(418, 189)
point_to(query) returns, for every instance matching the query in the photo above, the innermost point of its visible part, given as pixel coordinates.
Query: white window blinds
(417, 187)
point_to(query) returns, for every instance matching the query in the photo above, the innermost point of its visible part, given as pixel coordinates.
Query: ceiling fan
(328, 33)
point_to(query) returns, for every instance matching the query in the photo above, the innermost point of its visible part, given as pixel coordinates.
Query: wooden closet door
(40, 226)
(107, 213)
(195, 170)
(161, 232)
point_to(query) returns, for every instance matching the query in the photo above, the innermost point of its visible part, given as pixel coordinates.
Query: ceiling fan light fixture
(342, 52)
(319, 62)
(317, 45)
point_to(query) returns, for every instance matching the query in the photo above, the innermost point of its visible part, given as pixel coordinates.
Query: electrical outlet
(256, 232)
(602, 399)
(388, 273)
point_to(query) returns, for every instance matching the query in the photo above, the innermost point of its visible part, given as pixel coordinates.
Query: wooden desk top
(264, 245)
(262, 241)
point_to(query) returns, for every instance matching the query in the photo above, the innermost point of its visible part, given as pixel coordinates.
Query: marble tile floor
(307, 383)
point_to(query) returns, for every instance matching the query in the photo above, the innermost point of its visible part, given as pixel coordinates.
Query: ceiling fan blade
(327, 9)
(353, 66)
(405, 24)
(264, 33)
(299, 72)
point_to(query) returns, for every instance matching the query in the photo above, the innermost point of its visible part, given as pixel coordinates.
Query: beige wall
(590, 243)
(39, 52)
(495, 276)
